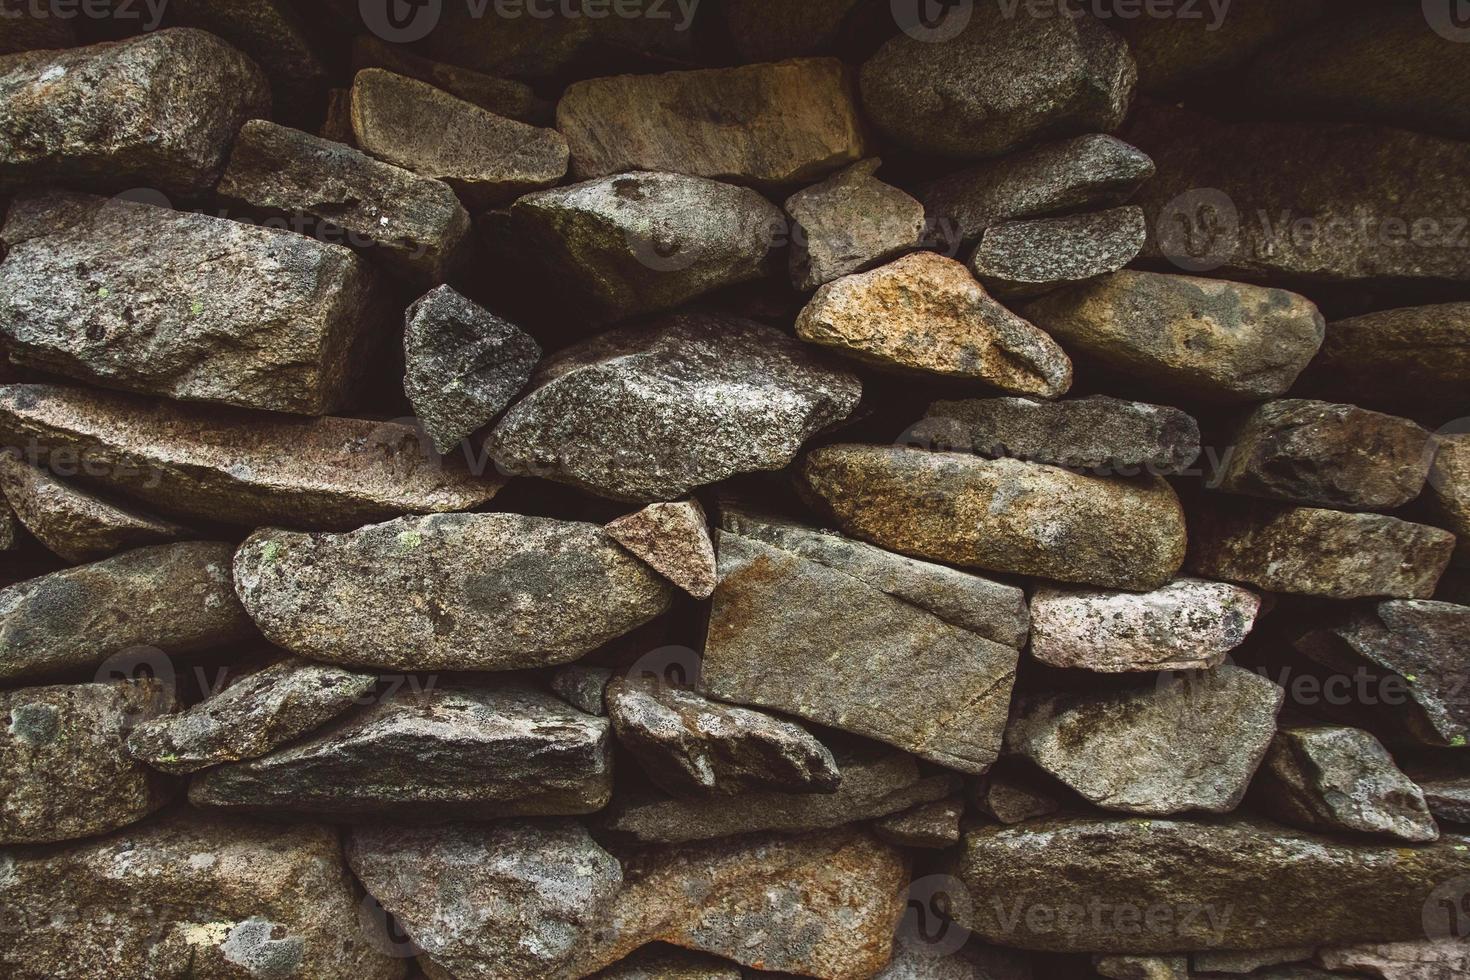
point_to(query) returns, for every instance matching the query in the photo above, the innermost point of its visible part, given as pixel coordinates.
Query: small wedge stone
(1026, 258)
(674, 539)
(933, 825)
(584, 688)
(848, 222)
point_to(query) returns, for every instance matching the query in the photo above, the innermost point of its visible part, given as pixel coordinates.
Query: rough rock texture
(1177, 745)
(1003, 515)
(772, 124)
(1405, 359)
(1008, 78)
(62, 763)
(433, 753)
(1094, 433)
(779, 618)
(1247, 961)
(513, 899)
(133, 296)
(873, 784)
(234, 467)
(848, 222)
(259, 712)
(584, 688)
(933, 825)
(446, 592)
(1449, 491)
(1197, 44)
(1189, 624)
(502, 96)
(642, 242)
(1422, 960)
(413, 225)
(1027, 258)
(464, 365)
(1088, 885)
(1336, 780)
(1012, 794)
(1204, 339)
(915, 959)
(1309, 551)
(1329, 455)
(1082, 172)
(74, 524)
(673, 539)
(176, 598)
(159, 109)
(650, 413)
(690, 745)
(1142, 967)
(487, 159)
(1446, 789)
(272, 34)
(926, 313)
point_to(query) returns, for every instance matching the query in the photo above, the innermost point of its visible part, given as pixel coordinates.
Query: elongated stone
(1449, 491)
(848, 222)
(159, 109)
(1406, 359)
(176, 598)
(1003, 515)
(932, 825)
(1027, 258)
(502, 96)
(1445, 784)
(1142, 967)
(1423, 959)
(115, 292)
(236, 467)
(450, 592)
(674, 540)
(429, 754)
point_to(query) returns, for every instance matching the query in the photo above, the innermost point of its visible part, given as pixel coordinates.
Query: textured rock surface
(1189, 624)
(1011, 794)
(159, 109)
(1337, 780)
(1309, 551)
(1247, 961)
(1409, 358)
(431, 754)
(143, 298)
(849, 222)
(673, 539)
(1003, 515)
(272, 34)
(1449, 491)
(1204, 339)
(1421, 960)
(776, 124)
(464, 365)
(176, 598)
(1142, 967)
(1026, 258)
(660, 962)
(987, 90)
(1180, 50)
(259, 712)
(1178, 745)
(584, 688)
(1446, 789)
(234, 467)
(446, 592)
(641, 242)
(1322, 890)
(650, 413)
(933, 825)
(62, 763)
(502, 96)
(926, 313)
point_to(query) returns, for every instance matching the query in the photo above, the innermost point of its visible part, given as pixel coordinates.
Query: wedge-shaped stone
(1027, 258)
(1407, 359)
(933, 825)
(674, 540)
(1014, 791)
(1003, 515)
(1035, 885)
(176, 598)
(129, 295)
(447, 592)
(237, 467)
(159, 109)
(1449, 491)
(582, 687)
(849, 222)
(650, 413)
(62, 764)
(1445, 783)
(502, 96)
(191, 895)
(465, 752)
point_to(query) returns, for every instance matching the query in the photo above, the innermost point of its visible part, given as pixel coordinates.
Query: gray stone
(502, 96)
(643, 242)
(254, 715)
(777, 619)
(9, 527)
(74, 524)
(659, 962)
(1336, 780)
(1448, 491)
(873, 784)
(1247, 961)
(236, 468)
(513, 899)
(1328, 455)
(1084, 172)
(1142, 967)
(1189, 624)
(849, 222)
(273, 35)
(584, 688)
(691, 746)
(932, 825)
(1173, 746)
(1011, 794)
(62, 766)
(1177, 51)
(1093, 433)
(1203, 339)
(428, 754)
(674, 540)
(915, 959)
(446, 592)
(650, 413)
(1315, 552)
(159, 109)
(1026, 258)
(1445, 784)
(990, 89)
(174, 598)
(1424, 959)
(120, 293)
(191, 895)
(1407, 359)
(464, 365)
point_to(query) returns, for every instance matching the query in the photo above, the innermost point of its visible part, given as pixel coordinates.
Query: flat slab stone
(1407, 359)
(932, 825)
(1421, 960)
(502, 96)
(674, 539)
(848, 222)
(1027, 258)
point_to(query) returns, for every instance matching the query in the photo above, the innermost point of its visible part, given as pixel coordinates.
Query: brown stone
(1449, 491)
(502, 96)
(848, 222)
(1406, 359)
(934, 825)
(674, 539)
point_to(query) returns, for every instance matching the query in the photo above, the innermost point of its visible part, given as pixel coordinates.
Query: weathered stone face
(1449, 491)
(849, 222)
(673, 539)
(1406, 359)
(932, 825)
(502, 96)
(1028, 258)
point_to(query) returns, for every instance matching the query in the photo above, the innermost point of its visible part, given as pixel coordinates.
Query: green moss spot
(196, 307)
(103, 292)
(409, 540)
(1458, 741)
(270, 550)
